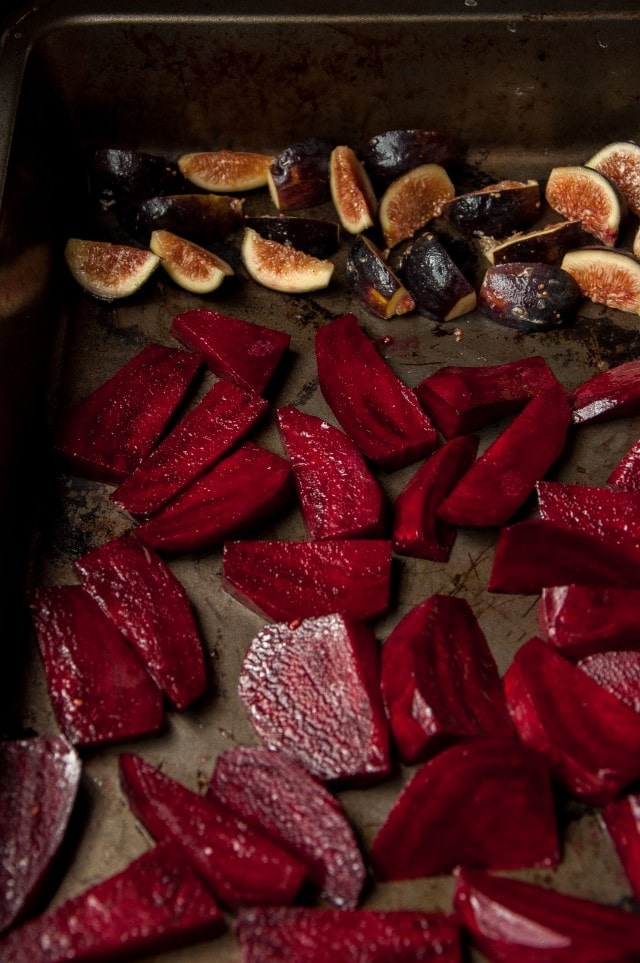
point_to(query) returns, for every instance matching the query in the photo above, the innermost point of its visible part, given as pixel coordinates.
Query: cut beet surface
(580, 619)
(155, 904)
(281, 799)
(312, 690)
(617, 672)
(621, 818)
(613, 516)
(467, 807)
(611, 394)
(39, 780)
(626, 473)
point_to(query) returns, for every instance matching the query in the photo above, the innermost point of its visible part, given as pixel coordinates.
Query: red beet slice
(418, 531)
(222, 418)
(312, 690)
(280, 798)
(591, 738)
(621, 818)
(109, 433)
(511, 921)
(144, 599)
(611, 515)
(278, 934)
(155, 904)
(501, 480)
(440, 681)
(339, 496)
(462, 399)
(626, 474)
(611, 394)
(580, 619)
(291, 580)
(246, 487)
(467, 807)
(99, 687)
(618, 672)
(38, 783)
(239, 865)
(380, 414)
(238, 350)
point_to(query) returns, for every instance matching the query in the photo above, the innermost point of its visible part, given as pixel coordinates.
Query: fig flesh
(606, 277)
(621, 818)
(314, 236)
(372, 282)
(496, 210)
(351, 191)
(620, 164)
(581, 619)
(223, 171)
(201, 218)
(626, 474)
(109, 271)
(412, 200)
(529, 297)
(584, 194)
(282, 267)
(614, 393)
(389, 155)
(547, 245)
(191, 267)
(299, 176)
(440, 289)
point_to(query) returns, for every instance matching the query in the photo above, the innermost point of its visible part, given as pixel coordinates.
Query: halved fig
(620, 164)
(281, 267)
(313, 235)
(614, 393)
(621, 818)
(351, 191)
(581, 619)
(547, 245)
(372, 282)
(496, 210)
(132, 175)
(616, 671)
(223, 171)
(109, 271)
(389, 155)
(203, 218)
(192, 267)
(626, 474)
(299, 176)
(440, 289)
(412, 200)
(607, 277)
(635, 247)
(529, 297)
(584, 194)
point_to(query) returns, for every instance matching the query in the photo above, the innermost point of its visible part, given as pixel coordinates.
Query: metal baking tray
(524, 86)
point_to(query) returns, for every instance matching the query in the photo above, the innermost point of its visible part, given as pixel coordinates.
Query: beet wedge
(378, 412)
(611, 394)
(99, 687)
(241, 351)
(204, 435)
(621, 817)
(312, 691)
(617, 672)
(338, 495)
(280, 798)
(279, 934)
(591, 738)
(109, 433)
(581, 619)
(510, 786)
(290, 580)
(440, 681)
(418, 531)
(626, 473)
(244, 488)
(144, 599)
(511, 921)
(613, 516)
(504, 476)
(39, 780)
(155, 904)
(238, 864)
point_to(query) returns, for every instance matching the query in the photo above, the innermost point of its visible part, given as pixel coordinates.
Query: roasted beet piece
(467, 807)
(240, 865)
(591, 738)
(626, 474)
(613, 516)
(279, 797)
(241, 351)
(618, 672)
(611, 394)
(156, 903)
(38, 783)
(621, 817)
(106, 435)
(99, 687)
(580, 619)
(312, 690)
(374, 407)
(339, 496)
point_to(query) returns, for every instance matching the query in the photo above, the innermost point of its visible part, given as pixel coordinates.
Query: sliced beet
(618, 672)
(621, 818)
(440, 681)
(312, 690)
(591, 738)
(144, 599)
(611, 515)
(467, 807)
(99, 687)
(39, 780)
(155, 904)
(241, 351)
(221, 419)
(378, 412)
(611, 394)
(626, 473)
(281, 799)
(339, 496)
(580, 619)
(107, 435)
(290, 580)
(239, 865)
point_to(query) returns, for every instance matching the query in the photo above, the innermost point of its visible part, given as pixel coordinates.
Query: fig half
(547, 245)
(620, 164)
(132, 175)
(309, 234)
(107, 270)
(372, 282)
(351, 191)
(281, 267)
(225, 170)
(440, 289)
(191, 267)
(585, 195)
(607, 277)
(412, 200)
(529, 297)
(496, 210)
(394, 152)
(202, 218)
(299, 176)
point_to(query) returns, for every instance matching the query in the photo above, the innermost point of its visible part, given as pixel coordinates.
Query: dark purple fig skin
(612, 394)
(300, 174)
(621, 818)
(529, 297)
(581, 619)
(435, 281)
(131, 175)
(201, 218)
(496, 210)
(394, 152)
(548, 245)
(371, 281)
(626, 474)
(312, 235)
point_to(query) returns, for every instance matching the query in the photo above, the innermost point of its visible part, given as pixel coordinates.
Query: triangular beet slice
(621, 818)
(155, 904)
(312, 690)
(434, 826)
(39, 780)
(247, 487)
(241, 866)
(291, 580)
(511, 921)
(379, 412)
(107, 435)
(223, 417)
(144, 599)
(276, 934)
(617, 672)
(439, 679)
(99, 687)
(611, 515)
(339, 496)
(241, 351)
(580, 619)
(591, 738)
(626, 474)
(610, 394)
(280, 798)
